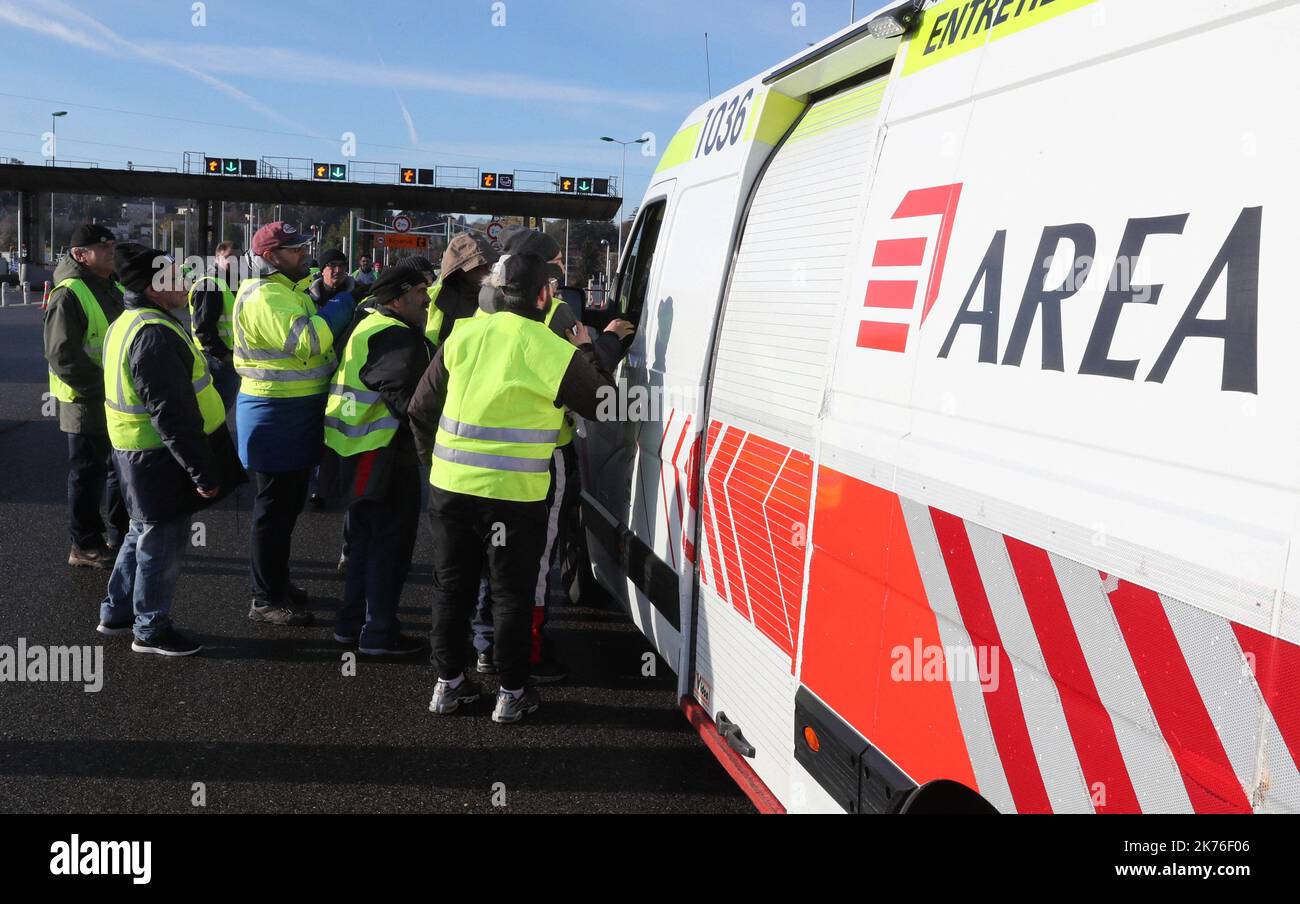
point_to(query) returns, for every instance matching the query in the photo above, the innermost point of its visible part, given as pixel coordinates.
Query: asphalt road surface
(264, 718)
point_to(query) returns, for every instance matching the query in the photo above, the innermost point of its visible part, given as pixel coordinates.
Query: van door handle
(734, 737)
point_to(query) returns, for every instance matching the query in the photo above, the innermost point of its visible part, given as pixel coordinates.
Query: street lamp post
(622, 186)
(605, 288)
(54, 153)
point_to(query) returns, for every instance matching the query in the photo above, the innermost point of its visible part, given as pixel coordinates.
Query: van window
(634, 278)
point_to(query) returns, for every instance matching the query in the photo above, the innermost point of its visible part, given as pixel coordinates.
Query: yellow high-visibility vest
(282, 348)
(500, 424)
(129, 424)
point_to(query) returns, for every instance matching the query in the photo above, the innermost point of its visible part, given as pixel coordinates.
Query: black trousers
(276, 506)
(509, 538)
(92, 479)
(558, 562)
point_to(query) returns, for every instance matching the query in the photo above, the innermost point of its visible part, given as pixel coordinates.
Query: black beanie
(423, 264)
(331, 256)
(136, 265)
(397, 280)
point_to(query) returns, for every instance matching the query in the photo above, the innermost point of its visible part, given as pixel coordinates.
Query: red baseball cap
(278, 235)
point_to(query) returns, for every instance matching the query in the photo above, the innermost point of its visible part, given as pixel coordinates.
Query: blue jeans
(224, 379)
(144, 576)
(381, 541)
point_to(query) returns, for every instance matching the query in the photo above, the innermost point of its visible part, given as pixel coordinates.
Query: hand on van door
(623, 328)
(579, 335)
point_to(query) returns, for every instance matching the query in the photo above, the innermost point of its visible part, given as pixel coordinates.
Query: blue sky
(419, 83)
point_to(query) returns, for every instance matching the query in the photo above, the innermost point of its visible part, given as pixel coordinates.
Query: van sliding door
(782, 307)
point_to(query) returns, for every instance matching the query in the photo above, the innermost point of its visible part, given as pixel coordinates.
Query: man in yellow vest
(85, 300)
(167, 425)
(372, 452)
(488, 413)
(212, 305)
(284, 354)
(562, 530)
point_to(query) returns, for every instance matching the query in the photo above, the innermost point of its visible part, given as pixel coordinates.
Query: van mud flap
(859, 777)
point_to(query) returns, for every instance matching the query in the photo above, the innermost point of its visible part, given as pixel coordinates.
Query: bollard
(45, 297)
(26, 288)
(4, 294)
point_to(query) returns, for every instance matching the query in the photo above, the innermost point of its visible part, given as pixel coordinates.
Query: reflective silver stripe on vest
(493, 462)
(357, 430)
(245, 289)
(365, 397)
(126, 409)
(295, 333)
(498, 434)
(120, 405)
(263, 354)
(286, 376)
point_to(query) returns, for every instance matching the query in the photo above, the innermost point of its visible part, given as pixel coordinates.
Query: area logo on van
(892, 298)
(891, 302)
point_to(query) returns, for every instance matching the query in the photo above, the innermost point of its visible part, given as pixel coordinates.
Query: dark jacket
(580, 388)
(206, 310)
(160, 484)
(491, 299)
(65, 339)
(320, 293)
(395, 362)
(457, 300)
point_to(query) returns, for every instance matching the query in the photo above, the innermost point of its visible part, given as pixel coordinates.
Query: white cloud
(91, 34)
(297, 66)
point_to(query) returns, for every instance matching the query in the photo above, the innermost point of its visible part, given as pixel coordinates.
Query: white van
(960, 464)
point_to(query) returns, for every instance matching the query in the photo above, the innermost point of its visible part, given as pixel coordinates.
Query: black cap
(90, 234)
(397, 280)
(332, 255)
(136, 265)
(522, 278)
(518, 240)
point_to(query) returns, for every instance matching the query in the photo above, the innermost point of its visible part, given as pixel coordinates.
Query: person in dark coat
(171, 448)
(565, 540)
(484, 514)
(212, 300)
(84, 301)
(378, 471)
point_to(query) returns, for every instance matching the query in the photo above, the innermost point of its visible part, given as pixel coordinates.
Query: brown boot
(91, 558)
